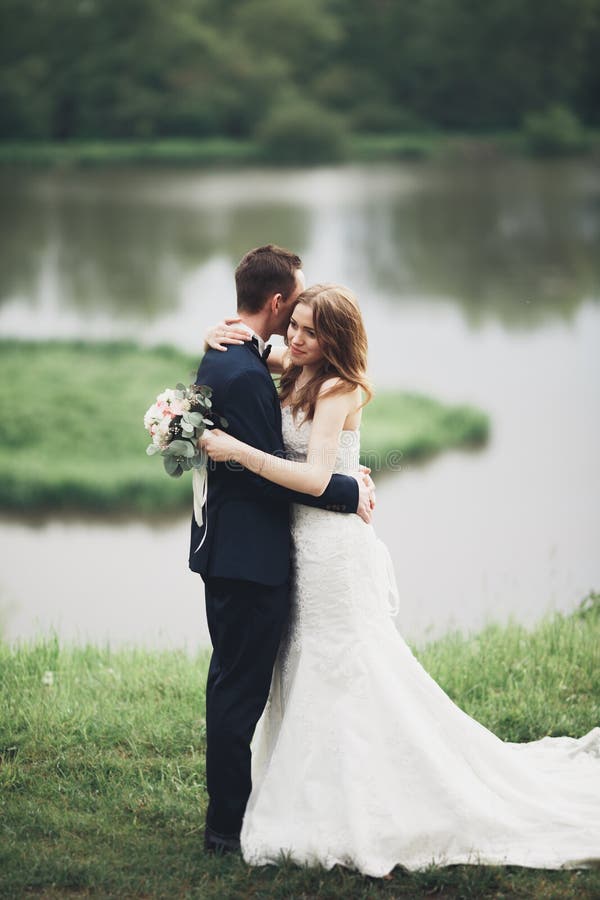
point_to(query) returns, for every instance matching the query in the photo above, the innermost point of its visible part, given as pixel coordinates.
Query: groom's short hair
(263, 272)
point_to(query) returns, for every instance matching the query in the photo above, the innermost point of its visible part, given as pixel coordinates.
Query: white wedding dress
(361, 759)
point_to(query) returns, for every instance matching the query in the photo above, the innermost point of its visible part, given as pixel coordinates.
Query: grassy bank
(74, 438)
(102, 776)
(218, 151)
(173, 151)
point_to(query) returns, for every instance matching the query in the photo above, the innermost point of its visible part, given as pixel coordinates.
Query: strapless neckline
(304, 422)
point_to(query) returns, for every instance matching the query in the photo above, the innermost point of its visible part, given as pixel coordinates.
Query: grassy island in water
(76, 442)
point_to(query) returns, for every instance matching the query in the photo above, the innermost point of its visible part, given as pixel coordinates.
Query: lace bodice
(296, 435)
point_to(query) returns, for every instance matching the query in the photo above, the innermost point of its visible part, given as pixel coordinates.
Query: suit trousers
(245, 621)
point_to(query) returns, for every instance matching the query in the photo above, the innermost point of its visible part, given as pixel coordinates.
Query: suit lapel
(255, 351)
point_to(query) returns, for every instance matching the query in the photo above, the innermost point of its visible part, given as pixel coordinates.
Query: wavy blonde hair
(340, 331)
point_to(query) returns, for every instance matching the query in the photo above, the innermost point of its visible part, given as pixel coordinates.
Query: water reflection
(115, 248)
(519, 245)
(512, 241)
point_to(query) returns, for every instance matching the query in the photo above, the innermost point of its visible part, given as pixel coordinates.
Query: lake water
(479, 284)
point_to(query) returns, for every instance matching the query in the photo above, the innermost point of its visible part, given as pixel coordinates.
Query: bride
(360, 758)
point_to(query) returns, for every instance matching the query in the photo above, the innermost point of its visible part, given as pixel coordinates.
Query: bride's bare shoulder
(339, 385)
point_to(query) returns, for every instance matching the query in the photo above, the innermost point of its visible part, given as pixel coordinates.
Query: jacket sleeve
(250, 411)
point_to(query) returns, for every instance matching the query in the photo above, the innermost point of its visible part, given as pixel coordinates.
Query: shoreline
(223, 152)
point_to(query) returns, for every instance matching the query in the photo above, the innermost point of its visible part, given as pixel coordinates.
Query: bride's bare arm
(310, 477)
(225, 332)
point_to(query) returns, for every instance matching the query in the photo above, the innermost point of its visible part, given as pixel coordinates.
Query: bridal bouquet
(175, 421)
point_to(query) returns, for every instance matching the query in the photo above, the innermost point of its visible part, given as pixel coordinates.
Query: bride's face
(302, 339)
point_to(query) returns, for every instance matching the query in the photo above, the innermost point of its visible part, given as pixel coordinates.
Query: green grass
(436, 145)
(224, 151)
(102, 788)
(72, 437)
(171, 151)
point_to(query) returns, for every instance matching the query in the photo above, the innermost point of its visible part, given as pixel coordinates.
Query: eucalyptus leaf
(186, 464)
(224, 423)
(181, 448)
(180, 387)
(195, 418)
(171, 465)
(207, 402)
(152, 449)
(208, 421)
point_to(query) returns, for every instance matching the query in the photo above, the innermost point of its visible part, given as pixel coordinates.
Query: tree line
(245, 68)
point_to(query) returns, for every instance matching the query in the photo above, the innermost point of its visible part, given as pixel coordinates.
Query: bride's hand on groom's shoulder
(225, 332)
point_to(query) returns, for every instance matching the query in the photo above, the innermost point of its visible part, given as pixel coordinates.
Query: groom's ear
(275, 303)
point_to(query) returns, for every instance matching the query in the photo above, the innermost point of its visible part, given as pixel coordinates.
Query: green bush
(555, 131)
(379, 117)
(302, 132)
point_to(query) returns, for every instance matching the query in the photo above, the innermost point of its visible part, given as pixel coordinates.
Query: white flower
(167, 396)
(178, 407)
(48, 679)
(161, 440)
(153, 415)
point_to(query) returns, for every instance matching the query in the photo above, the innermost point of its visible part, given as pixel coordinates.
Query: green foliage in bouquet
(176, 420)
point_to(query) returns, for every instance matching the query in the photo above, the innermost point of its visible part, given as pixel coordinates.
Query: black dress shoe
(219, 844)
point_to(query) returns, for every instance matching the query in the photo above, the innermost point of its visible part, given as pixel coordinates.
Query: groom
(244, 558)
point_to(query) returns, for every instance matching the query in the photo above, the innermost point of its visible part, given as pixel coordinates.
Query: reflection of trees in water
(253, 226)
(520, 244)
(514, 241)
(117, 251)
(97, 252)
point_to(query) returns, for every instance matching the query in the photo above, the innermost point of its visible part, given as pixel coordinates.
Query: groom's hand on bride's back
(366, 495)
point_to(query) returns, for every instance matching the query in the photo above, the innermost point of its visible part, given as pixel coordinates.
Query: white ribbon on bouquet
(200, 487)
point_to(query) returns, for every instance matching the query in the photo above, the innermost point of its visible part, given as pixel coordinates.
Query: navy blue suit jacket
(248, 533)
